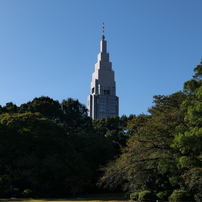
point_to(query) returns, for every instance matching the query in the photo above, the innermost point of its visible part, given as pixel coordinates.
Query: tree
(44, 105)
(188, 138)
(75, 117)
(9, 108)
(36, 154)
(114, 129)
(142, 164)
(71, 114)
(96, 150)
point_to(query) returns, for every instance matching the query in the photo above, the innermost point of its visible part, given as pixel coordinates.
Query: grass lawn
(91, 198)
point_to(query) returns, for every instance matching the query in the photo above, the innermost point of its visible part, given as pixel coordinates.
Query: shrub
(27, 192)
(11, 192)
(163, 195)
(135, 195)
(177, 196)
(127, 195)
(198, 197)
(145, 195)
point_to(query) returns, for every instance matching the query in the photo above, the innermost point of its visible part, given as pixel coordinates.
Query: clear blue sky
(50, 47)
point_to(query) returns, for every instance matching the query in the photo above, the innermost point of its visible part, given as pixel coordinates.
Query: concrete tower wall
(102, 101)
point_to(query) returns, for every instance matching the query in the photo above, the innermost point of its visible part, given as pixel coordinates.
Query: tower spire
(103, 31)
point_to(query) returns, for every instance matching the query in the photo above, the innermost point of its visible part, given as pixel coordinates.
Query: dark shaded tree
(9, 108)
(96, 150)
(44, 105)
(114, 129)
(37, 155)
(75, 116)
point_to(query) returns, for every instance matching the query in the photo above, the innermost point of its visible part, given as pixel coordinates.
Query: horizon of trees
(53, 149)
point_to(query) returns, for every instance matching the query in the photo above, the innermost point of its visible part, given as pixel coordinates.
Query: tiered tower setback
(102, 101)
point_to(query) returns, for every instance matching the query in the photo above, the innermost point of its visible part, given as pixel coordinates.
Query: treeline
(52, 149)
(163, 154)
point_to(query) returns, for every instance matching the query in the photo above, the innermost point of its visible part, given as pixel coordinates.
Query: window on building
(106, 92)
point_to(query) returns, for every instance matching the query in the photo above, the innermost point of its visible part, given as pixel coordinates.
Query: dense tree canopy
(49, 148)
(147, 147)
(164, 150)
(53, 149)
(36, 155)
(188, 138)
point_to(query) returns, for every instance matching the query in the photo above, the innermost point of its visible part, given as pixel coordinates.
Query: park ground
(117, 197)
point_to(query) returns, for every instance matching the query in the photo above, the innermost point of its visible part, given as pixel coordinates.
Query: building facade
(102, 101)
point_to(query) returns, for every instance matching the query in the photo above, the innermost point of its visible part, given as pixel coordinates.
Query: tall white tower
(102, 101)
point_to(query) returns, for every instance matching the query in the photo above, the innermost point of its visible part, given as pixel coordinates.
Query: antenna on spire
(103, 31)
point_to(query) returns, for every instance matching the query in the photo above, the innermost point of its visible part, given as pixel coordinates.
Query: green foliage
(55, 149)
(44, 105)
(163, 151)
(135, 195)
(9, 108)
(114, 129)
(198, 71)
(75, 116)
(27, 192)
(71, 114)
(95, 150)
(145, 196)
(163, 195)
(50, 148)
(178, 196)
(36, 154)
(146, 161)
(188, 139)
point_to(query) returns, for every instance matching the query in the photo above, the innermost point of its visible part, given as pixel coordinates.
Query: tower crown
(103, 46)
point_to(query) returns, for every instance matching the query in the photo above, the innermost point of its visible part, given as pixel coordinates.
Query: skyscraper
(102, 101)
